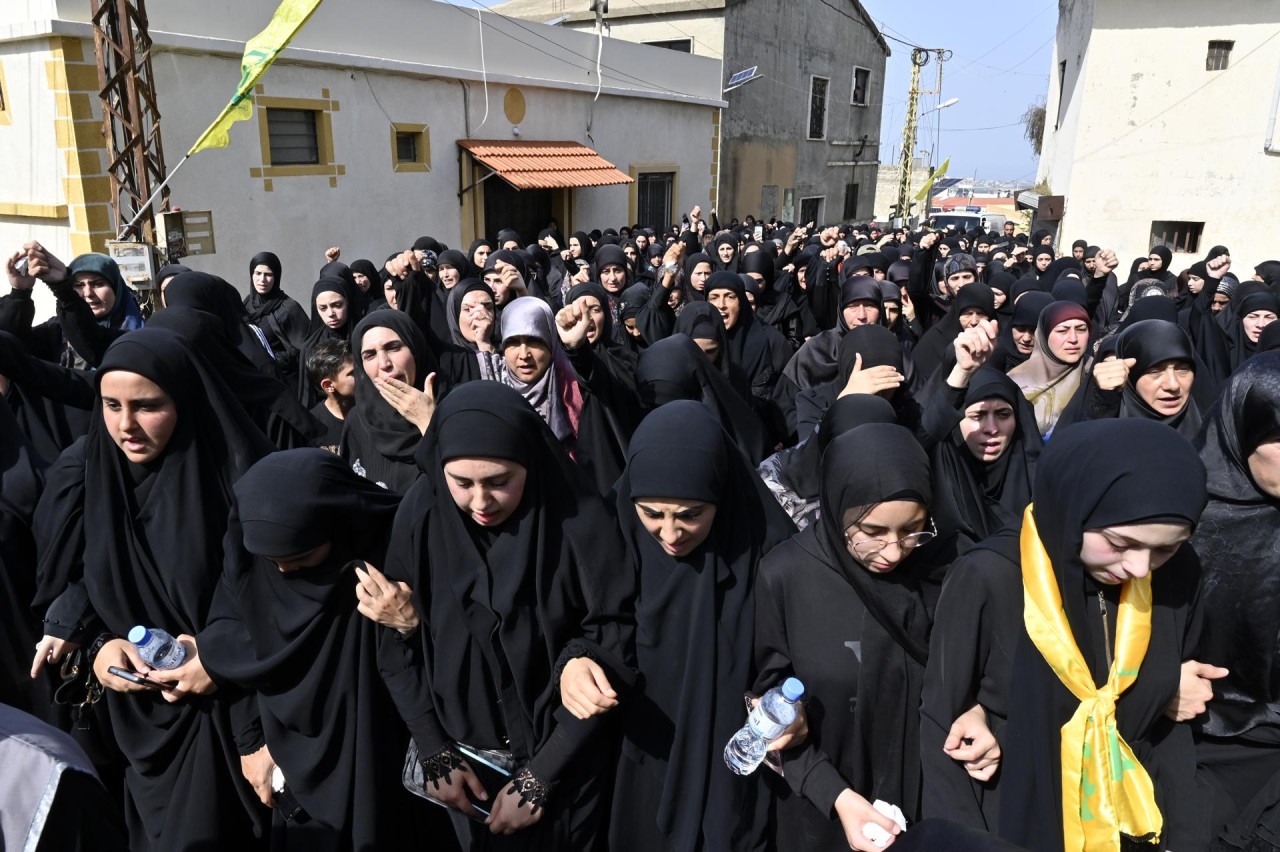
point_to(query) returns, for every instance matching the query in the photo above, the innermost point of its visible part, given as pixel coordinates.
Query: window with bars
(1219, 55)
(850, 201)
(654, 195)
(292, 134)
(1177, 236)
(861, 82)
(406, 147)
(811, 210)
(818, 107)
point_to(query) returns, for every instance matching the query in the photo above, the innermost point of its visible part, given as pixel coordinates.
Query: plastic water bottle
(775, 712)
(157, 648)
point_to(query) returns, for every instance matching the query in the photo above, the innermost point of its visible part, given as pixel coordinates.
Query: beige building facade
(1161, 126)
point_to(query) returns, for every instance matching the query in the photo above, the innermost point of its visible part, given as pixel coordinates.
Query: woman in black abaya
(285, 625)
(869, 346)
(280, 318)
(986, 448)
(842, 607)
(208, 293)
(1114, 501)
(377, 440)
(1157, 386)
(273, 407)
(516, 568)
(336, 308)
(759, 349)
(1238, 740)
(130, 531)
(696, 521)
(675, 368)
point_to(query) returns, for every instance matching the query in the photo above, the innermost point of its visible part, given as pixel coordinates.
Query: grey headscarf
(529, 316)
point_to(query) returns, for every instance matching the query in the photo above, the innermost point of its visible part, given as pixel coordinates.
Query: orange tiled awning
(527, 164)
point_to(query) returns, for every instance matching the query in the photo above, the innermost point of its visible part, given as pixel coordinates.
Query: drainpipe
(1270, 146)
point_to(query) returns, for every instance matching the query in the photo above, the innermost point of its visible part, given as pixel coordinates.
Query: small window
(850, 202)
(861, 82)
(293, 137)
(818, 107)
(682, 45)
(406, 147)
(811, 210)
(655, 193)
(1219, 55)
(1181, 237)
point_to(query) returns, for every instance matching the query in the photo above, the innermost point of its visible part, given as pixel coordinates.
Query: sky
(998, 67)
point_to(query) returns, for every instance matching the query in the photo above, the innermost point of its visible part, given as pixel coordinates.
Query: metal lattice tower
(130, 113)
(919, 56)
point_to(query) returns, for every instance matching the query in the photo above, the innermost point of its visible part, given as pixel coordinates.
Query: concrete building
(688, 26)
(800, 143)
(1161, 127)
(382, 122)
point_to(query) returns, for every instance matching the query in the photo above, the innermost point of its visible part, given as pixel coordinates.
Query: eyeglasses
(872, 546)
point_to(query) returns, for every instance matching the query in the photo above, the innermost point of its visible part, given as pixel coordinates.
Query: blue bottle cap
(792, 689)
(139, 635)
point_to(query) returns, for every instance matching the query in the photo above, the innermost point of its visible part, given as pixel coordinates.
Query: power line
(1180, 100)
(975, 129)
(1005, 39)
(620, 76)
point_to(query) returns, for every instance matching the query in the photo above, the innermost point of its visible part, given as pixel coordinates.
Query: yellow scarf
(1105, 791)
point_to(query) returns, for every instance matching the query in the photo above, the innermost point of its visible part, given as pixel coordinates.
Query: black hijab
(501, 606)
(1093, 475)
(268, 401)
(719, 265)
(701, 321)
(873, 464)
(372, 425)
(211, 294)
(259, 305)
(751, 343)
(674, 368)
(690, 264)
(802, 469)
(453, 307)
(148, 542)
(1150, 342)
(930, 352)
(318, 332)
(299, 642)
(980, 498)
(1236, 540)
(476, 270)
(1242, 348)
(695, 616)
(591, 288)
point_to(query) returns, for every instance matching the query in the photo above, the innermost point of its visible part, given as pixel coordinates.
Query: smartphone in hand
(134, 677)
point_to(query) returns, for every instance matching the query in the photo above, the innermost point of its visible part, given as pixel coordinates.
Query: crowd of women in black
(521, 530)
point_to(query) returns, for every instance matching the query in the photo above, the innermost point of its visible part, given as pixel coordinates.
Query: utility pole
(919, 58)
(130, 112)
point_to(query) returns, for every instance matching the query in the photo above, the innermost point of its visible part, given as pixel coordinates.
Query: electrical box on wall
(186, 232)
(137, 262)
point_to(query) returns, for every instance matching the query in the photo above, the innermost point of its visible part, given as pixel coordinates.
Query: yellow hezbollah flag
(928, 185)
(259, 53)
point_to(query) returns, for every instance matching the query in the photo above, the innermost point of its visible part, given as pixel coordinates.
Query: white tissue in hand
(875, 833)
